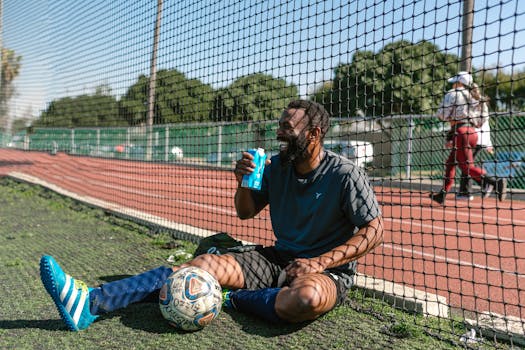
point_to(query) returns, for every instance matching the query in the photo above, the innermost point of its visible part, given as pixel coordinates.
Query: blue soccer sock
(259, 302)
(119, 294)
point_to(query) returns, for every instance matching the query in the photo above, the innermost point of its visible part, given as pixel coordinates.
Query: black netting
(79, 106)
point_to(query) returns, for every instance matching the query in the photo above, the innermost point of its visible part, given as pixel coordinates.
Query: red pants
(464, 141)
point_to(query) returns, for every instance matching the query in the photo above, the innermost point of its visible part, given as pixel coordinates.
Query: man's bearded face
(293, 147)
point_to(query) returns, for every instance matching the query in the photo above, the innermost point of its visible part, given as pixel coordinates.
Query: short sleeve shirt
(315, 213)
(457, 105)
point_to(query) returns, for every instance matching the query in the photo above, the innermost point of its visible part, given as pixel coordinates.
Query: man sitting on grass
(324, 216)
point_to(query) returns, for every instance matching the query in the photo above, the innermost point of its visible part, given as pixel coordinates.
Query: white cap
(462, 77)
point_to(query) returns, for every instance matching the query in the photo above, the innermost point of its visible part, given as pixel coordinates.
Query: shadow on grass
(143, 316)
(49, 325)
(146, 316)
(253, 325)
(112, 278)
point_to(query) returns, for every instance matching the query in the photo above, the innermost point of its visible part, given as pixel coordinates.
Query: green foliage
(9, 71)
(253, 97)
(99, 109)
(506, 91)
(20, 124)
(402, 78)
(177, 99)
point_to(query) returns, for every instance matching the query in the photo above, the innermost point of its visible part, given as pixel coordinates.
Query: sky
(69, 47)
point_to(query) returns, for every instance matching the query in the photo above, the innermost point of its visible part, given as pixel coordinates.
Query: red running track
(472, 253)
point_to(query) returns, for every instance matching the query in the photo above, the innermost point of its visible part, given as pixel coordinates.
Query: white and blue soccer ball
(190, 299)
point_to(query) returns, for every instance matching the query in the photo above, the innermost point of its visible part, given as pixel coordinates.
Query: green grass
(97, 247)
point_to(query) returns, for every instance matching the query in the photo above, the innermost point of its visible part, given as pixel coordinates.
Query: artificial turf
(96, 247)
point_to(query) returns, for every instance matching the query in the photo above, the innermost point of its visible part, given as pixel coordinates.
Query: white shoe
(487, 190)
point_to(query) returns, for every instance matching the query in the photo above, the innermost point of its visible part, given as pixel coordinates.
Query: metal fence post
(128, 143)
(166, 144)
(409, 146)
(98, 141)
(219, 145)
(73, 150)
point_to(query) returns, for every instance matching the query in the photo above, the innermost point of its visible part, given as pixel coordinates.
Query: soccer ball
(190, 298)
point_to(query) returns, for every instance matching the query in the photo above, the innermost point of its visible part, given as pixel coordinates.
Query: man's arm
(244, 203)
(363, 241)
(367, 238)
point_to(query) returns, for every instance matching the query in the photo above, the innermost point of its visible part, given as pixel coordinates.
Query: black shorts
(262, 268)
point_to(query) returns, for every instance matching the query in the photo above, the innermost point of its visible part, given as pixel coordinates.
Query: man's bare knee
(308, 297)
(298, 304)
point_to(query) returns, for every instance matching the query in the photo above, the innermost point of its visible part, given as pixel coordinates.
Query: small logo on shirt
(317, 195)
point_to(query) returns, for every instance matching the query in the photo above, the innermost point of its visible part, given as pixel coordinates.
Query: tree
(97, 110)
(177, 99)
(20, 124)
(402, 78)
(323, 93)
(23, 122)
(10, 69)
(253, 97)
(506, 91)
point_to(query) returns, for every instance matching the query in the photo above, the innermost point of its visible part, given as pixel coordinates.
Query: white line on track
(451, 260)
(433, 227)
(147, 194)
(468, 214)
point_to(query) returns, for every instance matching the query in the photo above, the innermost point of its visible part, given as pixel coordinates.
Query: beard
(297, 149)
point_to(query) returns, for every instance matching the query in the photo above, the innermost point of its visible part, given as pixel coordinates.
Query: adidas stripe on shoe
(70, 296)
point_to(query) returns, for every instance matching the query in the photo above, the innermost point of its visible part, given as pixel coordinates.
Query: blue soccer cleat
(71, 296)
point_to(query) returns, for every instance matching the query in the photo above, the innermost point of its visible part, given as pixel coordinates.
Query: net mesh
(76, 83)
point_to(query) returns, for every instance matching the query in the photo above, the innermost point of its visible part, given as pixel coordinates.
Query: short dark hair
(317, 114)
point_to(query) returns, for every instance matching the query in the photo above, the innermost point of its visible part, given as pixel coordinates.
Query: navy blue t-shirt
(315, 213)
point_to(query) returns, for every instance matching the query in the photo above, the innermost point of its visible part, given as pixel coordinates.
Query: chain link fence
(408, 147)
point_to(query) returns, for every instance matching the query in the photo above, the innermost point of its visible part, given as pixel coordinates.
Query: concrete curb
(403, 297)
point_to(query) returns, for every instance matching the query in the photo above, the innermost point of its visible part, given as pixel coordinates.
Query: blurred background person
(484, 143)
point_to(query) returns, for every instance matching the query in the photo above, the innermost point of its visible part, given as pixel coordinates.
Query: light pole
(2, 109)
(466, 43)
(152, 81)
